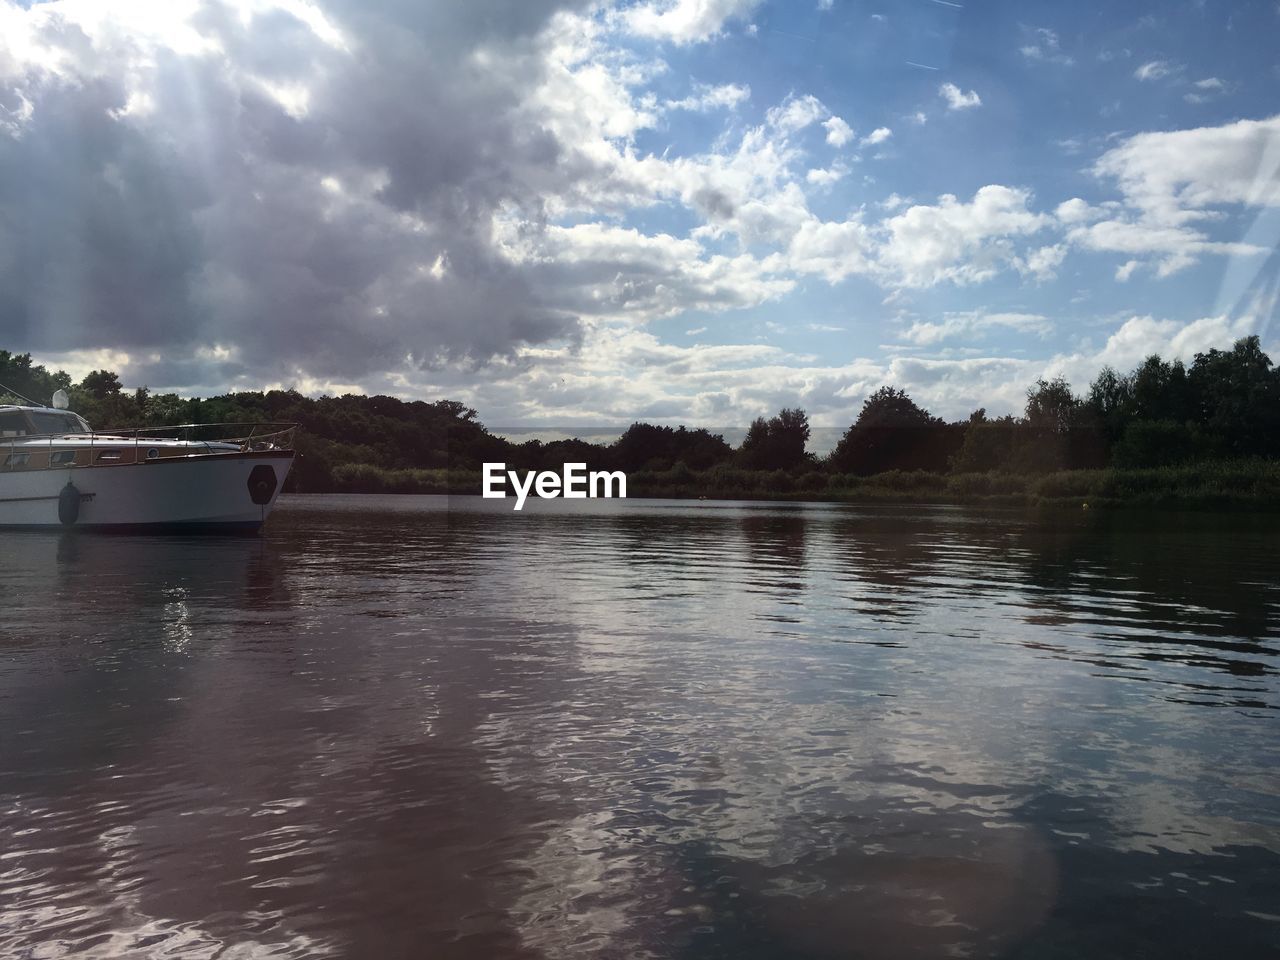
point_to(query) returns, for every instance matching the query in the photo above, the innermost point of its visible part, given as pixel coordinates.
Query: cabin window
(62, 456)
(109, 456)
(13, 424)
(17, 459)
(57, 422)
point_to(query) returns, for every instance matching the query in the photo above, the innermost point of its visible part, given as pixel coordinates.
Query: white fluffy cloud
(833, 250)
(957, 99)
(824, 177)
(957, 241)
(878, 135)
(685, 21)
(838, 132)
(1175, 176)
(1174, 186)
(1043, 262)
(796, 113)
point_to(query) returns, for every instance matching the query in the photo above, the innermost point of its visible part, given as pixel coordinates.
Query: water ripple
(410, 726)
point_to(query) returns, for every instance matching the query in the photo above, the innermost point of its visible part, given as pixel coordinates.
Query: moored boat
(58, 472)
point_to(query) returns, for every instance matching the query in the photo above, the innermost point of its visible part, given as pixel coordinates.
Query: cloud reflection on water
(639, 730)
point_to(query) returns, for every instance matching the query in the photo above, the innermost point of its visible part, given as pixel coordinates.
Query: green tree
(101, 384)
(26, 381)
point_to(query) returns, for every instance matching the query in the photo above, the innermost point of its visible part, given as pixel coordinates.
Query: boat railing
(249, 436)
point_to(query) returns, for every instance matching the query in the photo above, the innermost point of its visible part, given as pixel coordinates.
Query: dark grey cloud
(338, 232)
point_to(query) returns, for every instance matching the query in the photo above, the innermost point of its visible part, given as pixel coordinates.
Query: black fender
(69, 504)
(262, 484)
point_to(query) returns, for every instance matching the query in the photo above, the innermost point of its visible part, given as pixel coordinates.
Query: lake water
(432, 727)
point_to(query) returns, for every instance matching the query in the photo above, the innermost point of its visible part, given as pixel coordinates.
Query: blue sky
(683, 210)
(1057, 85)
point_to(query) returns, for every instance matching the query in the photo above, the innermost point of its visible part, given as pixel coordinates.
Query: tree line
(1224, 405)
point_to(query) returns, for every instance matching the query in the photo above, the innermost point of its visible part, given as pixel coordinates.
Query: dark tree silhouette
(1236, 396)
(988, 444)
(777, 443)
(644, 445)
(1224, 405)
(893, 433)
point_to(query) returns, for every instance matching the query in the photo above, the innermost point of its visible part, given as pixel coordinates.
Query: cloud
(203, 178)
(1175, 176)
(705, 98)
(1042, 263)
(615, 272)
(1075, 211)
(1174, 185)
(833, 249)
(1138, 337)
(974, 323)
(878, 135)
(1042, 45)
(957, 99)
(1205, 90)
(838, 132)
(824, 178)
(1155, 70)
(336, 215)
(685, 21)
(953, 387)
(620, 371)
(796, 113)
(957, 241)
(442, 199)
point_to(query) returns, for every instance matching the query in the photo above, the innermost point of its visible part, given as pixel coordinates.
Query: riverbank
(1247, 485)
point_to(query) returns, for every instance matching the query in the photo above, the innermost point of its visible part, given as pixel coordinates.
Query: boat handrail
(276, 439)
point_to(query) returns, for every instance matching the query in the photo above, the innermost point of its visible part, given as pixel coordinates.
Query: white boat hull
(209, 492)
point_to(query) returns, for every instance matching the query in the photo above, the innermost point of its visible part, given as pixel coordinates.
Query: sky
(567, 213)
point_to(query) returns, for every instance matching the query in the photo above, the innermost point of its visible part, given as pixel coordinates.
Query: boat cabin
(41, 438)
(40, 422)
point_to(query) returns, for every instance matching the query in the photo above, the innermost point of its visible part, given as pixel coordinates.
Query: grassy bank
(1246, 484)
